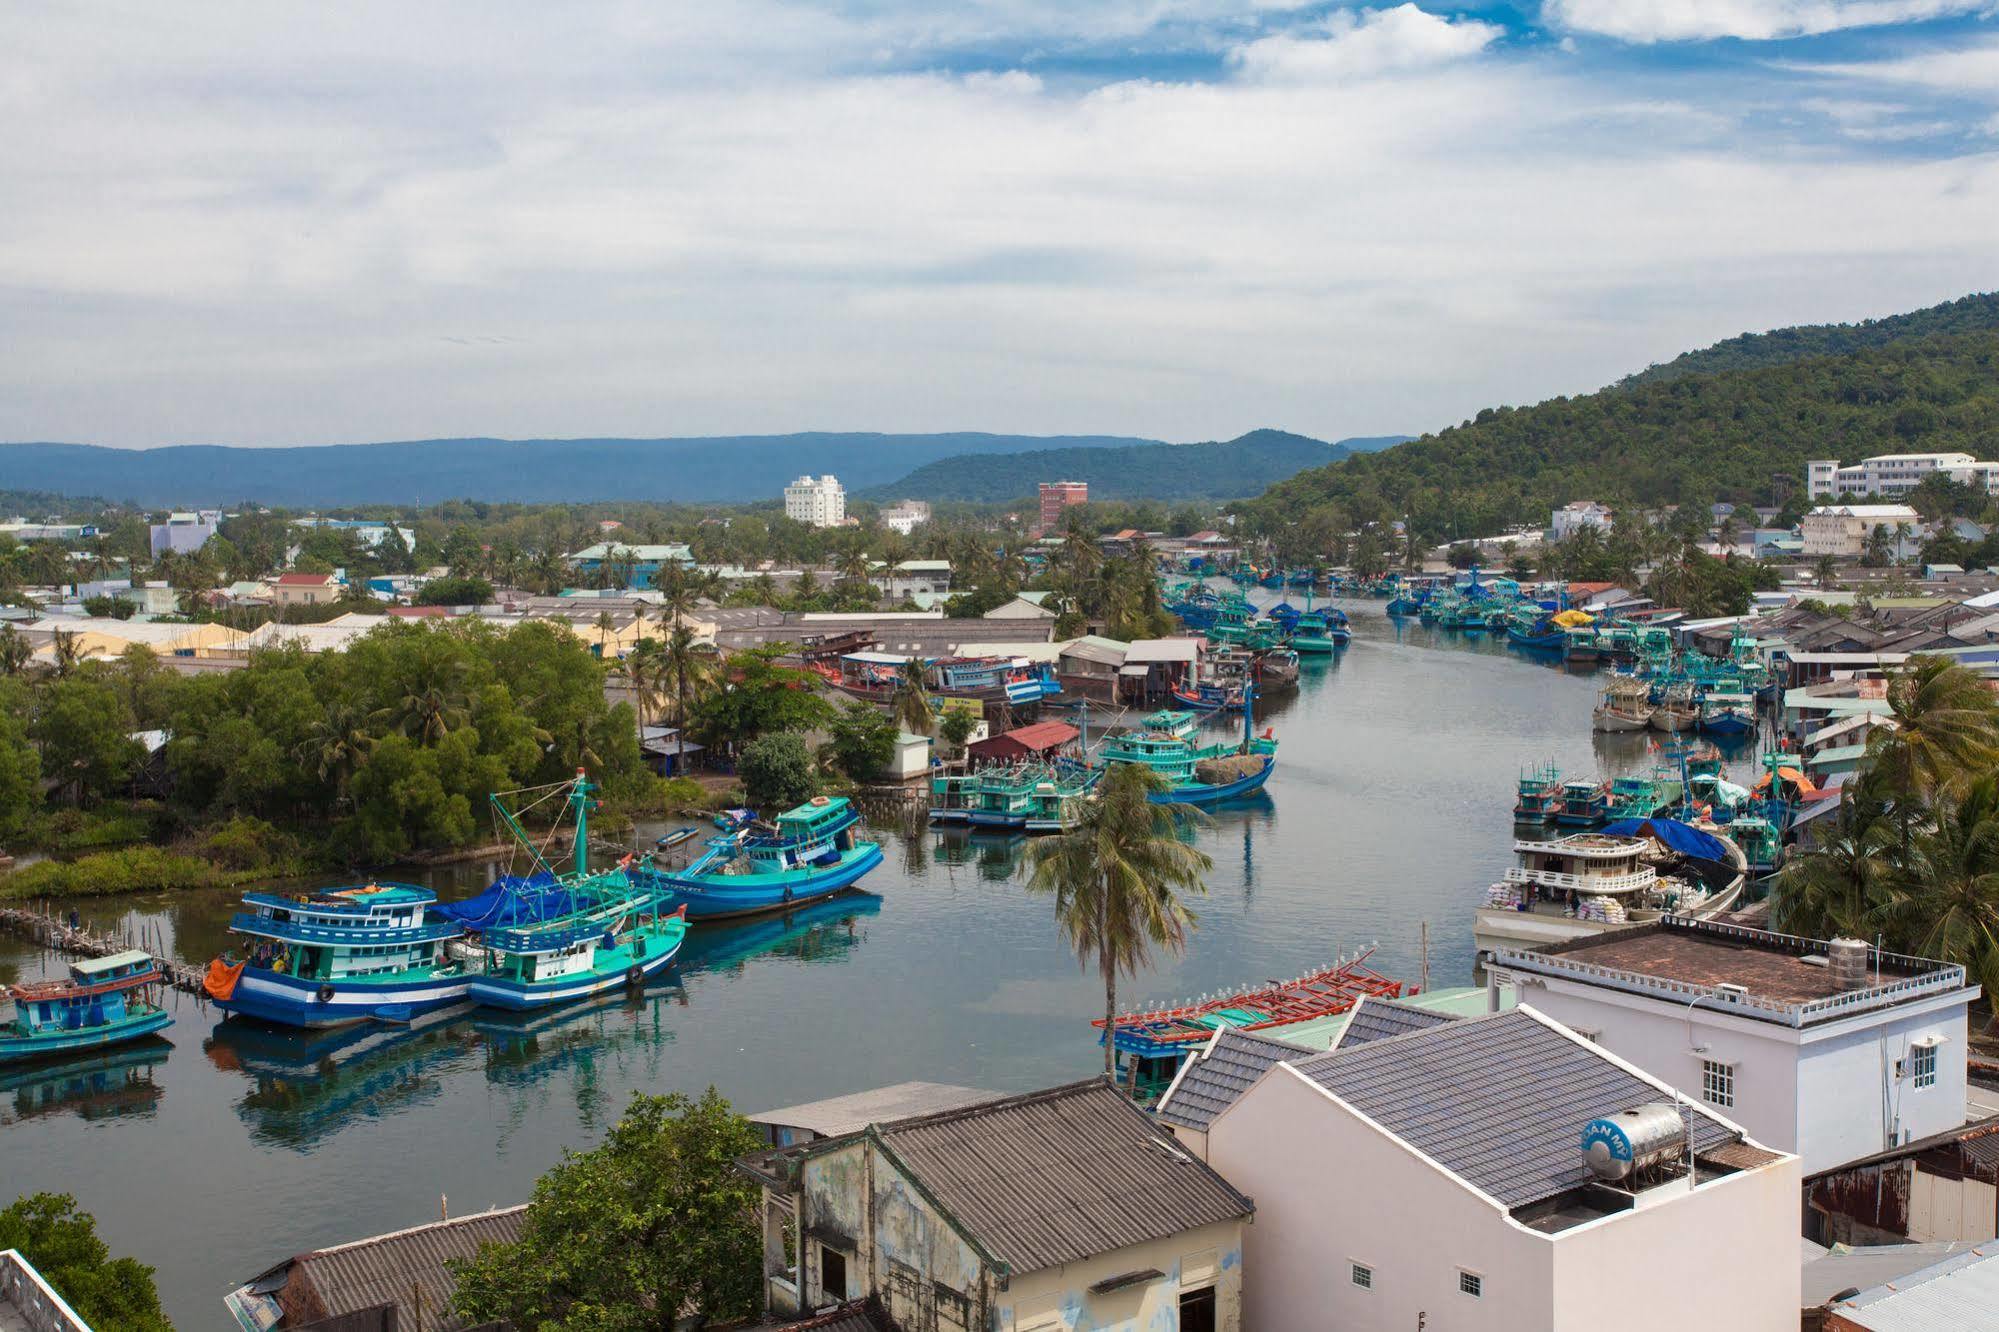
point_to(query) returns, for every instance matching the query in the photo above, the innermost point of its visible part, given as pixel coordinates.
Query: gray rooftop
(1499, 1101)
(385, 1269)
(1215, 1077)
(1830, 1271)
(1060, 1175)
(1375, 1019)
(1960, 1293)
(880, 1105)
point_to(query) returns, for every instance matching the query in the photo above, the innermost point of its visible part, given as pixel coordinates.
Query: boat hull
(725, 896)
(1728, 724)
(292, 1002)
(1208, 795)
(20, 1049)
(1605, 719)
(495, 992)
(1320, 646)
(1671, 720)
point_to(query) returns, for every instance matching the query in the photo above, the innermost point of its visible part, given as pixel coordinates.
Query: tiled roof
(1216, 1077)
(1375, 1019)
(1059, 1175)
(1498, 1101)
(372, 1272)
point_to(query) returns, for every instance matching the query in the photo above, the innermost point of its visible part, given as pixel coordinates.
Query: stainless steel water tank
(1618, 1146)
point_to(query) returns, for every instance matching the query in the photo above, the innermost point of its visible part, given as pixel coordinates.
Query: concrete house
(1439, 1179)
(1833, 1051)
(304, 589)
(1045, 1212)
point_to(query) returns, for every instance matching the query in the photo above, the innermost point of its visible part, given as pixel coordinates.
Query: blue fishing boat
(810, 852)
(1198, 775)
(535, 966)
(1727, 715)
(1583, 804)
(102, 1002)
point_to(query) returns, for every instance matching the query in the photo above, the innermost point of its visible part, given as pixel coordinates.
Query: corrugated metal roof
(880, 1105)
(1375, 1019)
(1499, 1101)
(1830, 1271)
(1960, 1293)
(1213, 1079)
(382, 1270)
(1060, 1175)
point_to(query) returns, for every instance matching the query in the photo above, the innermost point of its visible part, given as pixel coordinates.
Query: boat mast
(1248, 713)
(579, 799)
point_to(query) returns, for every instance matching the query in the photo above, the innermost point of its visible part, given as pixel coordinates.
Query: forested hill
(1694, 439)
(1755, 351)
(718, 469)
(1228, 469)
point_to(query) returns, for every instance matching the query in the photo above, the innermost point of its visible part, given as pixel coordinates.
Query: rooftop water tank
(1848, 961)
(1620, 1145)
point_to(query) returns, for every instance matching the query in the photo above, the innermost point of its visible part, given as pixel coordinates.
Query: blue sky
(265, 223)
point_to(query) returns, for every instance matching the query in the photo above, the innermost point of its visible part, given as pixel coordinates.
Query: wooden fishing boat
(1626, 706)
(809, 852)
(102, 1002)
(1583, 804)
(1728, 715)
(536, 966)
(675, 838)
(1538, 795)
(1676, 710)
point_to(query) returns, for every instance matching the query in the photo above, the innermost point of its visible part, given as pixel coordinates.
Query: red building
(1057, 496)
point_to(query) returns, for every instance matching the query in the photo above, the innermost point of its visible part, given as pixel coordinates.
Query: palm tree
(1946, 730)
(65, 654)
(911, 705)
(644, 667)
(854, 566)
(15, 651)
(1112, 873)
(548, 572)
(1836, 888)
(679, 594)
(1826, 572)
(688, 670)
(335, 746)
(1949, 907)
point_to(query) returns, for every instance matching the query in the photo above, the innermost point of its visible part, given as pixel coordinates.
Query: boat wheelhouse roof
(877, 658)
(359, 900)
(814, 813)
(1590, 844)
(88, 967)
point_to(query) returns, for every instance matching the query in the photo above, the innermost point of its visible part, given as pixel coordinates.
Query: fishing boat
(534, 966)
(1196, 774)
(809, 852)
(1626, 706)
(1631, 872)
(102, 1002)
(1640, 797)
(1275, 668)
(1149, 1045)
(1539, 795)
(1583, 803)
(729, 820)
(875, 677)
(1728, 715)
(1538, 634)
(1675, 709)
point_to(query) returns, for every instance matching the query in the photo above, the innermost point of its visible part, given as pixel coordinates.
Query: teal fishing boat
(534, 966)
(1198, 774)
(1538, 795)
(810, 852)
(102, 1003)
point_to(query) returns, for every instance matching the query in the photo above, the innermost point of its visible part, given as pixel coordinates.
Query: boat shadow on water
(105, 1085)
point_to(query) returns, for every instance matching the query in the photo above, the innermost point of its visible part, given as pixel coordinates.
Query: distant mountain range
(1218, 470)
(726, 469)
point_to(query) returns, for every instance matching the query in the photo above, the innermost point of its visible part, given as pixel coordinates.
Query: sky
(258, 222)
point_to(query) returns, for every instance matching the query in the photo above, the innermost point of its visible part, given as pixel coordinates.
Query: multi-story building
(1057, 496)
(1833, 1051)
(184, 533)
(816, 503)
(304, 589)
(1573, 517)
(1488, 1173)
(1842, 530)
(635, 565)
(905, 517)
(1894, 474)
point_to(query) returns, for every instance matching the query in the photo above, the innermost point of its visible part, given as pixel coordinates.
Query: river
(222, 1149)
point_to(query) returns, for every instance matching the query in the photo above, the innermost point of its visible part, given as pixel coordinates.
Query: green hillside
(1691, 439)
(1756, 351)
(1222, 470)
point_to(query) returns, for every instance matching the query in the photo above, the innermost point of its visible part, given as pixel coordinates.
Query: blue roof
(1688, 841)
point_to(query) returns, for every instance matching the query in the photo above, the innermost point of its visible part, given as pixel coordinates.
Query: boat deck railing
(1635, 881)
(293, 931)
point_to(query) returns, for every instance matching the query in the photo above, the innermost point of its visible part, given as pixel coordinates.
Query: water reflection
(110, 1085)
(824, 931)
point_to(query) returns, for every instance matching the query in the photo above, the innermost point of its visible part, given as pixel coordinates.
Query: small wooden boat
(1676, 710)
(1626, 706)
(101, 1003)
(675, 838)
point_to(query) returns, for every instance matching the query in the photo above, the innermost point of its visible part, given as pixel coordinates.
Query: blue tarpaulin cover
(510, 900)
(1686, 840)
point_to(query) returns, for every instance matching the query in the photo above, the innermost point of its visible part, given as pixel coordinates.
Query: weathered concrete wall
(1058, 1299)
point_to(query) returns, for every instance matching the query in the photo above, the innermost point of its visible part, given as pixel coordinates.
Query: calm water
(224, 1148)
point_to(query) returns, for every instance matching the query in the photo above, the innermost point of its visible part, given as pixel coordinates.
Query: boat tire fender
(635, 977)
(325, 995)
(787, 892)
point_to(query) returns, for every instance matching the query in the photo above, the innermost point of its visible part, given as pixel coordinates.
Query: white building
(1437, 1178)
(1895, 474)
(184, 533)
(912, 579)
(820, 503)
(1841, 530)
(1831, 1051)
(367, 531)
(905, 517)
(1572, 518)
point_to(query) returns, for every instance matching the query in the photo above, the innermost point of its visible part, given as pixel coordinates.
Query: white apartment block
(906, 516)
(1832, 1051)
(1896, 474)
(1842, 530)
(1572, 518)
(820, 503)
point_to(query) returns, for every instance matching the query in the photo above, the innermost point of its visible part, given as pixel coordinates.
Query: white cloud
(1364, 44)
(1753, 20)
(641, 219)
(1971, 70)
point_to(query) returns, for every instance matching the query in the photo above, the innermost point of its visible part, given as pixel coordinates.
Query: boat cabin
(92, 996)
(374, 930)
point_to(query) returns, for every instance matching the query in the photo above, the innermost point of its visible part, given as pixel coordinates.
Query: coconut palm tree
(1113, 873)
(680, 595)
(688, 670)
(911, 704)
(1946, 730)
(335, 746)
(1949, 904)
(64, 653)
(15, 650)
(1837, 887)
(644, 669)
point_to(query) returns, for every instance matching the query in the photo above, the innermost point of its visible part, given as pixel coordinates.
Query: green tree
(454, 592)
(861, 741)
(1949, 906)
(777, 772)
(757, 695)
(85, 737)
(1115, 873)
(20, 775)
(912, 699)
(957, 728)
(111, 1294)
(655, 1225)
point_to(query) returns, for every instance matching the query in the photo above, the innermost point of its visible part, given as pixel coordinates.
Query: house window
(1363, 1276)
(1923, 1065)
(1197, 1310)
(1717, 1082)
(1470, 1283)
(832, 1273)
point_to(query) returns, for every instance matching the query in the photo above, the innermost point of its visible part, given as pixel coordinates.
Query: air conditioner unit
(1928, 1042)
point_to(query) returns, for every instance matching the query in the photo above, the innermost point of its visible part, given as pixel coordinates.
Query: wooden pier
(51, 931)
